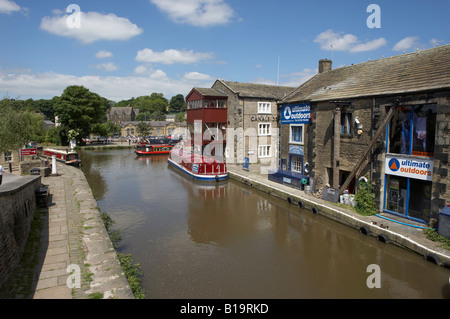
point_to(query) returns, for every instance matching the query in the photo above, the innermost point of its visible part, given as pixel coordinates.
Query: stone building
(119, 115)
(387, 121)
(157, 128)
(252, 116)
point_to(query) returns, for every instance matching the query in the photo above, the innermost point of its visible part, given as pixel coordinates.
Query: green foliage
(365, 199)
(133, 273)
(179, 117)
(79, 109)
(143, 129)
(52, 136)
(433, 235)
(17, 127)
(177, 104)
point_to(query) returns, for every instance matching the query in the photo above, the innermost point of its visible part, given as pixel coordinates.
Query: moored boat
(68, 157)
(196, 166)
(157, 149)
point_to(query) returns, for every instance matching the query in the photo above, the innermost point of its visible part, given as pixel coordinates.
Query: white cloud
(102, 54)
(196, 12)
(47, 85)
(171, 56)
(107, 67)
(405, 44)
(369, 46)
(93, 26)
(7, 6)
(330, 40)
(196, 76)
(293, 79)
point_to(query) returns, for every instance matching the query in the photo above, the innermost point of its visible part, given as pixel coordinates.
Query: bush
(365, 199)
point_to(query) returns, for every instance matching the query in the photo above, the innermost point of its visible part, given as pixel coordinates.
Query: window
(412, 130)
(264, 129)
(297, 163)
(346, 123)
(8, 156)
(296, 133)
(264, 107)
(264, 151)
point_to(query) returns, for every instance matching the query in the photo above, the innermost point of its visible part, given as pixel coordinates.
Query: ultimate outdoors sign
(296, 113)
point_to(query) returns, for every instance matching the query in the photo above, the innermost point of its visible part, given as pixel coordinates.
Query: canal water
(231, 241)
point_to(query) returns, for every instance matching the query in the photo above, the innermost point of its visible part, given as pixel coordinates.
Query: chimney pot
(325, 65)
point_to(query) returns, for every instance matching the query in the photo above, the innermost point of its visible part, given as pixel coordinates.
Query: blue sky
(125, 49)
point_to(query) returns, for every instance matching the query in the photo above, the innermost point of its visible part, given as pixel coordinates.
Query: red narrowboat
(68, 157)
(196, 166)
(156, 149)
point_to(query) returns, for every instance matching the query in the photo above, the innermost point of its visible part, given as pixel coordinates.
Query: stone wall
(371, 112)
(17, 207)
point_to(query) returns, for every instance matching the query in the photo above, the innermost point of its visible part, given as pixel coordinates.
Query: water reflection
(227, 240)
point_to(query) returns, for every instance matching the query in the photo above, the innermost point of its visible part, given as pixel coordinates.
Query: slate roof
(406, 73)
(152, 123)
(254, 90)
(209, 92)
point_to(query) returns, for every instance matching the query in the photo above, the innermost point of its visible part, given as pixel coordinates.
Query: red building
(207, 116)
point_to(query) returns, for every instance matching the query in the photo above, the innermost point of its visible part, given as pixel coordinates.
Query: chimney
(324, 65)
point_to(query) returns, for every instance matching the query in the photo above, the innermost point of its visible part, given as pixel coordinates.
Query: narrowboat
(196, 166)
(157, 149)
(68, 157)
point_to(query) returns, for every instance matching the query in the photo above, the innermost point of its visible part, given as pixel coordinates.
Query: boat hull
(196, 176)
(144, 153)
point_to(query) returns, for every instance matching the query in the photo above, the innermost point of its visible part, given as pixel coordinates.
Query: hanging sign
(296, 113)
(409, 167)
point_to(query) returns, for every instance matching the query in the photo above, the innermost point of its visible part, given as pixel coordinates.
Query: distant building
(157, 128)
(120, 115)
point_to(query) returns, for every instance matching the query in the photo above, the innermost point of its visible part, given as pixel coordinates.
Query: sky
(125, 49)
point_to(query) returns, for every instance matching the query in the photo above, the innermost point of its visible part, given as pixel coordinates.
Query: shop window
(408, 196)
(296, 133)
(296, 163)
(412, 130)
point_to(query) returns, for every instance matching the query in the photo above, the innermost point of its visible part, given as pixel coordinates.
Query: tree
(143, 129)
(79, 109)
(179, 117)
(18, 127)
(177, 104)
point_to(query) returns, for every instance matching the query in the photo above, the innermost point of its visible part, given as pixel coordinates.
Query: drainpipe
(371, 137)
(336, 153)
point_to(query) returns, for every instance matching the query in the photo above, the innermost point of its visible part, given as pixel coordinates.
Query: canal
(231, 241)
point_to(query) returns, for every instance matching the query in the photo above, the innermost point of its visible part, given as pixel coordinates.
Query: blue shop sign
(296, 113)
(295, 150)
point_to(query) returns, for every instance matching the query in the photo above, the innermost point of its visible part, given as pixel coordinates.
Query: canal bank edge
(89, 245)
(404, 236)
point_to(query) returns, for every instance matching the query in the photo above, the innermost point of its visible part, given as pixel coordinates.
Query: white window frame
(264, 107)
(296, 167)
(264, 151)
(264, 129)
(291, 126)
